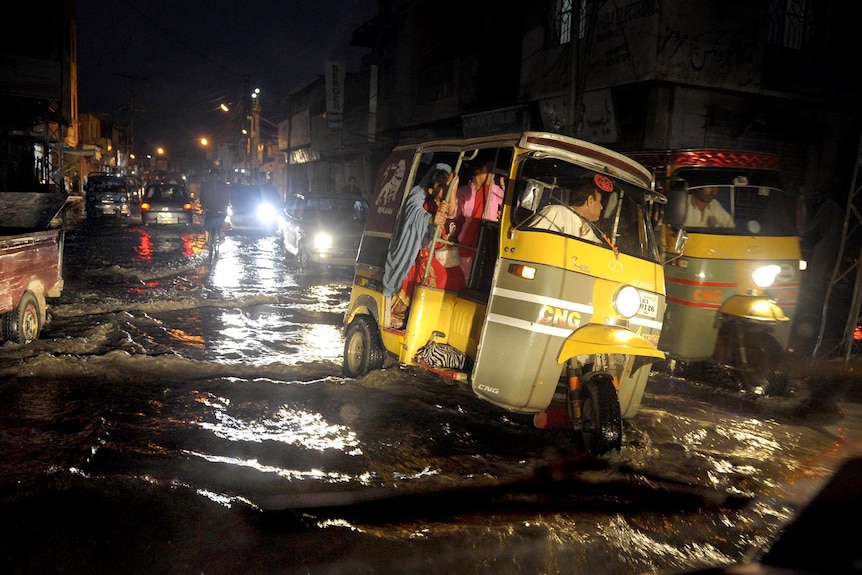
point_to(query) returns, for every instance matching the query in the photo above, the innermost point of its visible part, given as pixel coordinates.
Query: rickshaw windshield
(546, 184)
(721, 203)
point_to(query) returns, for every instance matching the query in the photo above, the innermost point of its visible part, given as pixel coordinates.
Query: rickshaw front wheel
(363, 350)
(760, 371)
(601, 422)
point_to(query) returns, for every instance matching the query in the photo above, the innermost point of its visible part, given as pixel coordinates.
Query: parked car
(106, 195)
(253, 207)
(323, 229)
(166, 203)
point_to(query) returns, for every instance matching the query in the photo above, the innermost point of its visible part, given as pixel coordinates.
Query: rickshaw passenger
(576, 219)
(477, 200)
(406, 260)
(703, 211)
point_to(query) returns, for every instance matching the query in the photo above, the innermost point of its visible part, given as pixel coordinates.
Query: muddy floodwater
(177, 418)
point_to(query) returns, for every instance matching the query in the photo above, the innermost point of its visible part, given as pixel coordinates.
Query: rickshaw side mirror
(681, 240)
(531, 195)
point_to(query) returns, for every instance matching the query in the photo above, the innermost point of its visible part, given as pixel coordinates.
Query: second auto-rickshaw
(732, 263)
(544, 319)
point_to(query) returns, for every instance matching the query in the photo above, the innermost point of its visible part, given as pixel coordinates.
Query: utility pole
(254, 135)
(852, 226)
(130, 110)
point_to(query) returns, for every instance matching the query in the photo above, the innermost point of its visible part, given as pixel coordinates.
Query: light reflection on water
(226, 269)
(290, 426)
(188, 339)
(144, 250)
(264, 335)
(293, 474)
(249, 262)
(645, 545)
(319, 342)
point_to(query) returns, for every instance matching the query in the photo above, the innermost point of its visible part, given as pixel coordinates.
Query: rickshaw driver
(703, 211)
(576, 219)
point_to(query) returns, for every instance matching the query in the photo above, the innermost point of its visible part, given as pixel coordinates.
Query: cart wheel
(601, 422)
(363, 350)
(23, 324)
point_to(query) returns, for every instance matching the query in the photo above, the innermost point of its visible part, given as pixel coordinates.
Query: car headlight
(266, 213)
(764, 276)
(322, 241)
(627, 301)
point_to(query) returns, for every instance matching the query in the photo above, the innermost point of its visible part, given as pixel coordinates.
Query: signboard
(334, 94)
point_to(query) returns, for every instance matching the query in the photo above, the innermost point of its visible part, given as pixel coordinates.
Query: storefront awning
(87, 151)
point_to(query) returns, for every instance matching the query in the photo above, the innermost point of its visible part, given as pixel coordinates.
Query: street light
(209, 153)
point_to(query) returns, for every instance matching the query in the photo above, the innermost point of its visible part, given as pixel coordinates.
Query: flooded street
(174, 418)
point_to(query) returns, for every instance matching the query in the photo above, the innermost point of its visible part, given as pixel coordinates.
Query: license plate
(649, 304)
(166, 219)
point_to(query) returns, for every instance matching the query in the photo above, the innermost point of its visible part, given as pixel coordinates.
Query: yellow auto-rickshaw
(732, 284)
(545, 320)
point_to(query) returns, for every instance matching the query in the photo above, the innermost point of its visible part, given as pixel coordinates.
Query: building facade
(638, 75)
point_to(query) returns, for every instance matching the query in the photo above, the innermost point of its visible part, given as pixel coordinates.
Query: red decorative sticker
(603, 183)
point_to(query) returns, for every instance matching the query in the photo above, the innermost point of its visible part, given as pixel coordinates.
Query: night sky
(172, 62)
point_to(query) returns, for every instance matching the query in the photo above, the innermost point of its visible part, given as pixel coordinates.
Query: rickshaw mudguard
(754, 308)
(591, 339)
(631, 380)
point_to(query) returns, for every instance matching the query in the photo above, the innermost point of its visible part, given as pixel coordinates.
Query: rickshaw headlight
(765, 275)
(627, 301)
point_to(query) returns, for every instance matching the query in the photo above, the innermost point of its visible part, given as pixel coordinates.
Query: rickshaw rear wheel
(601, 422)
(363, 350)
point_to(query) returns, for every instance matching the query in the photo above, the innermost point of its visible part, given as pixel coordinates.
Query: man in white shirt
(585, 206)
(703, 211)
